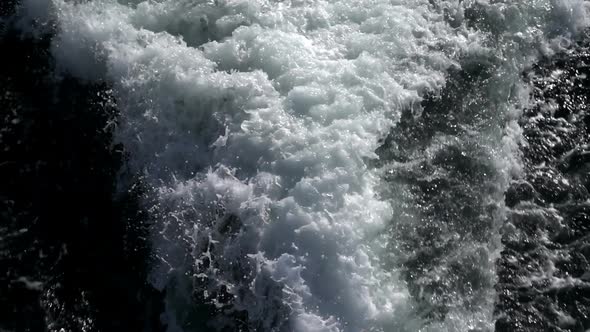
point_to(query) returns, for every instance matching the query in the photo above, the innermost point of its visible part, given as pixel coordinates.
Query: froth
(252, 123)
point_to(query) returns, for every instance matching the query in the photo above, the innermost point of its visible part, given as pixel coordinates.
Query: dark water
(543, 272)
(450, 182)
(73, 251)
(73, 239)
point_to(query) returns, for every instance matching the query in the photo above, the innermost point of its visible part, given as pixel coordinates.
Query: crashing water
(317, 165)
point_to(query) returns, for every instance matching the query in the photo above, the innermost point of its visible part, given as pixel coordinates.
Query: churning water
(317, 165)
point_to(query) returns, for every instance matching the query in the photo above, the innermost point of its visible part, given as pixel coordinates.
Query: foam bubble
(252, 123)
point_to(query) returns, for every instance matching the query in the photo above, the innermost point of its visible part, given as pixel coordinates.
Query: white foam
(268, 111)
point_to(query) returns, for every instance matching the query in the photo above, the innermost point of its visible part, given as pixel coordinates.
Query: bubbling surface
(254, 124)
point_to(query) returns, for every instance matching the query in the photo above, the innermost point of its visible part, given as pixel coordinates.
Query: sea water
(256, 126)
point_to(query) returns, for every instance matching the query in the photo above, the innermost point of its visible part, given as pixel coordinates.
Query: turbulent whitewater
(268, 135)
